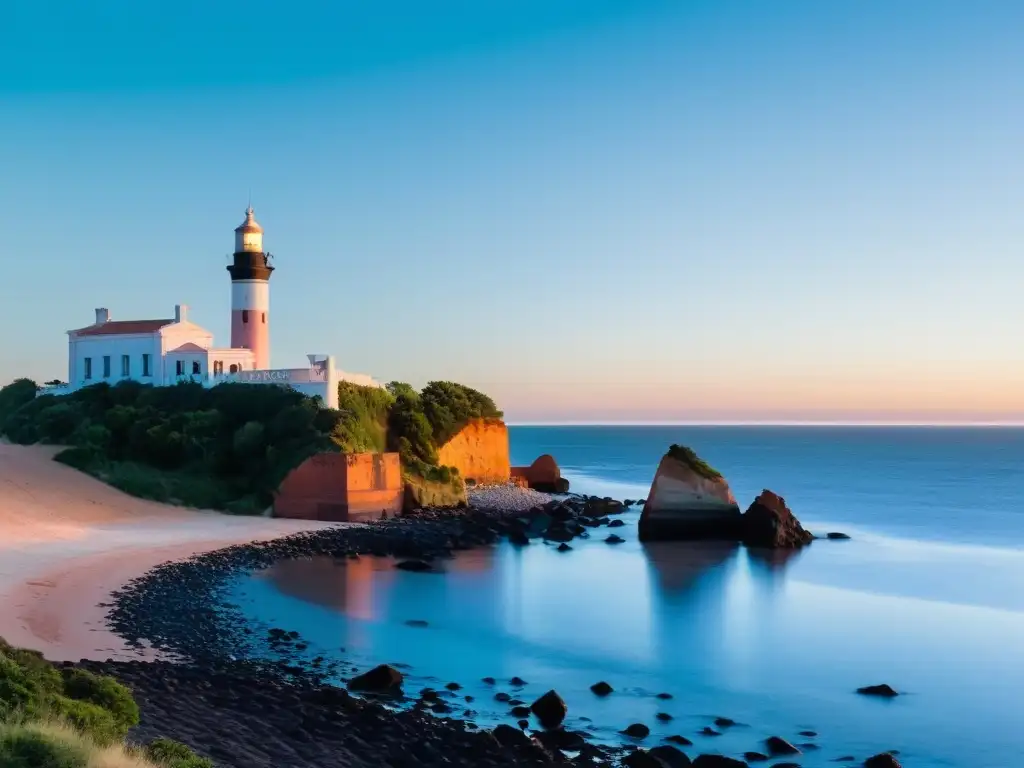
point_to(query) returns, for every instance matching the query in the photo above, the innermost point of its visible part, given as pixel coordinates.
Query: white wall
(96, 347)
(250, 294)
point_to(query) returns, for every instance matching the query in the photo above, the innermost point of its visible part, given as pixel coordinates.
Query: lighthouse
(250, 292)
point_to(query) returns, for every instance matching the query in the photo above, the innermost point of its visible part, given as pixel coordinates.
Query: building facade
(169, 350)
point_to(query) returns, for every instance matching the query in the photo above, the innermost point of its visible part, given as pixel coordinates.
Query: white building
(170, 350)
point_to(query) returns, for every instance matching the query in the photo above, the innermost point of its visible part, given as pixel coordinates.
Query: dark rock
(884, 760)
(845, 759)
(563, 547)
(677, 739)
(718, 761)
(524, 724)
(707, 730)
(453, 687)
(517, 682)
(778, 746)
(618, 524)
(663, 696)
(637, 731)
(520, 711)
(550, 710)
(769, 523)
(381, 679)
(884, 690)
(508, 736)
(503, 697)
(416, 623)
(601, 688)
(809, 734)
(836, 536)
(663, 756)
(488, 681)
(724, 722)
(613, 539)
(664, 717)
(754, 757)
(559, 738)
(417, 566)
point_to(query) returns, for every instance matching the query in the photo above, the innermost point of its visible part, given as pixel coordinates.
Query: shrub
(38, 746)
(14, 396)
(174, 754)
(104, 692)
(90, 719)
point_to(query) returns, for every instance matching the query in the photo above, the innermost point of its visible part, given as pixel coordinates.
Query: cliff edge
(479, 451)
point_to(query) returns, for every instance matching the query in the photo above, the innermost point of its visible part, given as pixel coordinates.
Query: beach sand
(67, 541)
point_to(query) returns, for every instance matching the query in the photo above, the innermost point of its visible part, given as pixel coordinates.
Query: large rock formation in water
(768, 522)
(689, 500)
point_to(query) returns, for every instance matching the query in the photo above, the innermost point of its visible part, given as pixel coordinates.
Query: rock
(558, 532)
(542, 475)
(778, 746)
(550, 710)
(416, 623)
(601, 689)
(664, 717)
(724, 722)
(769, 523)
(836, 536)
(884, 690)
(417, 566)
(563, 547)
(488, 681)
(808, 734)
(616, 523)
(718, 761)
(688, 500)
(508, 736)
(520, 711)
(669, 756)
(517, 682)
(677, 739)
(641, 758)
(637, 731)
(453, 687)
(665, 696)
(754, 757)
(502, 697)
(613, 539)
(884, 760)
(559, 738)
(380, 679)
(707, 730)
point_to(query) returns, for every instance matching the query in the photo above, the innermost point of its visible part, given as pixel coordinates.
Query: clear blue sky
(590, 209)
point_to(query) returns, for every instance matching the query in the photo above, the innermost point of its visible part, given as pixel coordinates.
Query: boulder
(601, 688)
(884, 760)
(688, 500)
(884, 690)
(380, 679)
(542, 475)
(508, 736)
(777, 746)
(550, 710)
(718, 761)
(769, 523)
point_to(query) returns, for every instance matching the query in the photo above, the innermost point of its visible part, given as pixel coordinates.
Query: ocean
(927, 596)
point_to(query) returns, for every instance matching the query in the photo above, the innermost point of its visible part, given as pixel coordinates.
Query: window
(145, 366)
(234, 368)
(264, 318)
(195, 368)
(126, 365)
(179, 367)
(218, 367)
(245, 315)
(88, 367)
(106, 366)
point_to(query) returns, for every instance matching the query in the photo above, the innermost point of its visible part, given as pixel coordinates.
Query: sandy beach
(67, 541)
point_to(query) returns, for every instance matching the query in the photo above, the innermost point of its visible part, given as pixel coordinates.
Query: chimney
(180, 313)
(102, 315)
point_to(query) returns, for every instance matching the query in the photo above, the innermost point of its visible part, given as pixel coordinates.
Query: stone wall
(342, 487)
(479, 451)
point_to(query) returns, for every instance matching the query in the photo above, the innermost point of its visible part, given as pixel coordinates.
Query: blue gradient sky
(590, 209)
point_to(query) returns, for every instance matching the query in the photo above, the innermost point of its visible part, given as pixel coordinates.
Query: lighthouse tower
(250, 292)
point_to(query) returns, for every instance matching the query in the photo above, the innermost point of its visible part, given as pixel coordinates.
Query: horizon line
(773, 423)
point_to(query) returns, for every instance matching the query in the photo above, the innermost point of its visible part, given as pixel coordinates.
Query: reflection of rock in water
(689, 581)
(679, 566)
(341, 585)
(772, 561)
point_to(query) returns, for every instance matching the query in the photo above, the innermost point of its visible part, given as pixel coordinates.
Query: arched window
(233, 368)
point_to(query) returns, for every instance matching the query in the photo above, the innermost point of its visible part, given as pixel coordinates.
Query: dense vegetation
(689, 457)
(69, 718)
(228, 447)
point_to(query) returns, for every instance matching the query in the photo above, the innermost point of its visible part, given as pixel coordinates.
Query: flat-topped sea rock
(688, 500)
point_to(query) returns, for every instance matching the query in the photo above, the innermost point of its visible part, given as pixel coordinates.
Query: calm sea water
(928, 596)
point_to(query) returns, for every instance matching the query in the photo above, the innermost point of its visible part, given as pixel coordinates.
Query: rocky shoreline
(223, 702)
